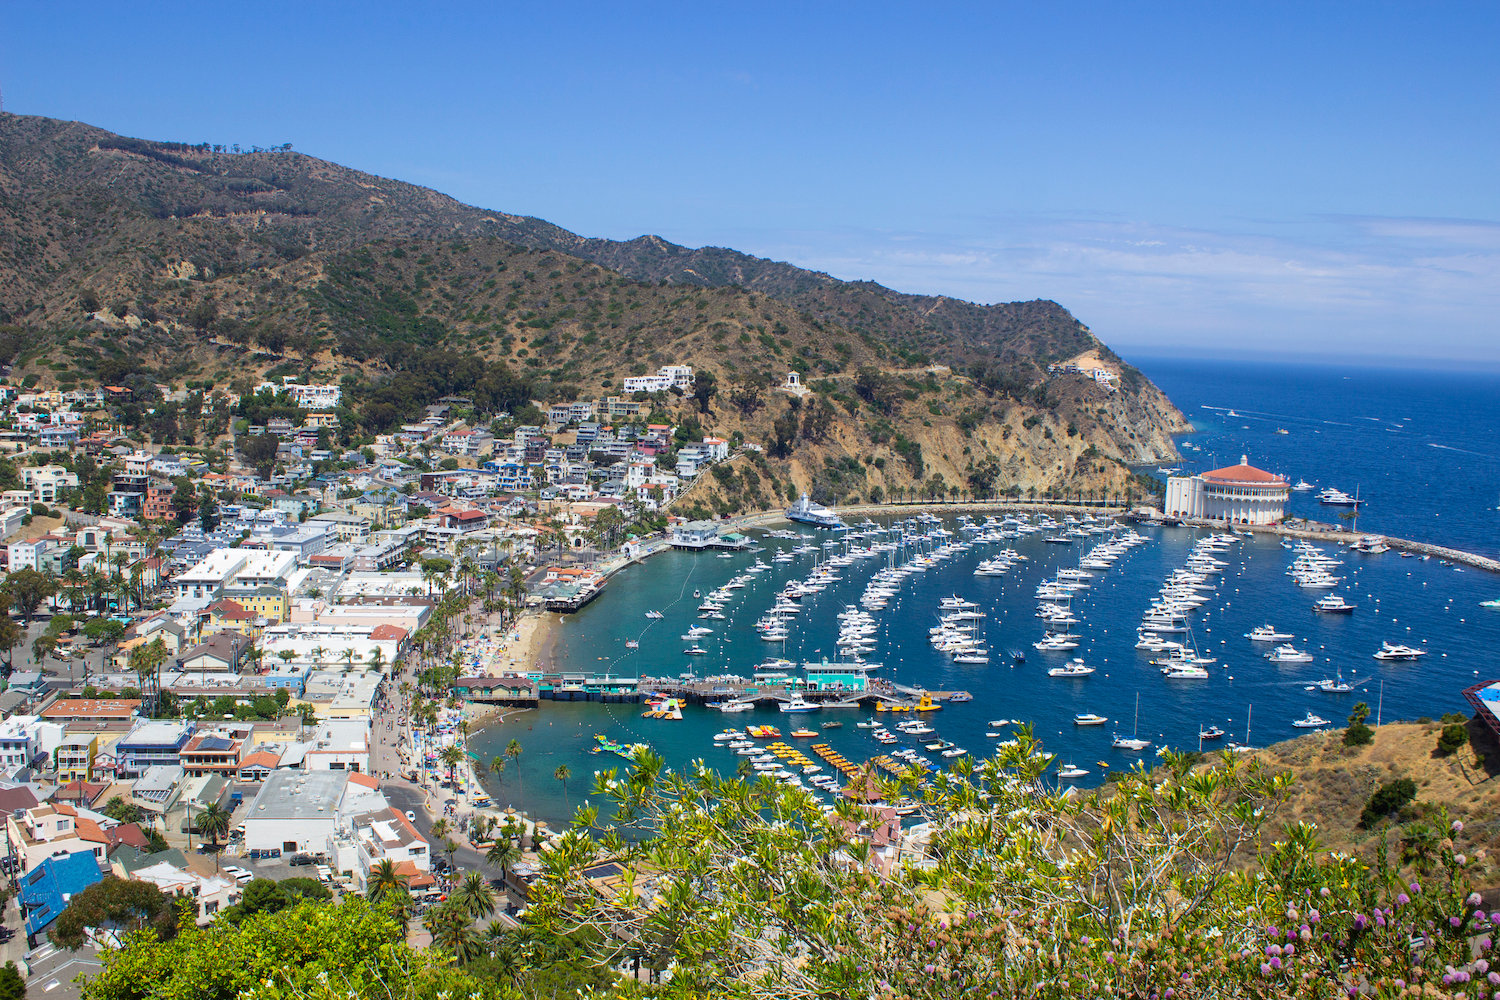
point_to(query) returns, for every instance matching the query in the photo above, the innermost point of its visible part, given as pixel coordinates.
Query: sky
(1294, 179)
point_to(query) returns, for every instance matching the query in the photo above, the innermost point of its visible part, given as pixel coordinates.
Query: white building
(666, 377)
(238, 568)
(309, 397)
(297, 811)
(47, 482)
(1241, 494)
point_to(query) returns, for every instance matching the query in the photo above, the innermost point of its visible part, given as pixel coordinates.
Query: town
(226, 657)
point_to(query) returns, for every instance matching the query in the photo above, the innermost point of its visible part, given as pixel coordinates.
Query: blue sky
(1295, 178)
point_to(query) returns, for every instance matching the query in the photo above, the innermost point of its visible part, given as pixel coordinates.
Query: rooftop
(300, 795)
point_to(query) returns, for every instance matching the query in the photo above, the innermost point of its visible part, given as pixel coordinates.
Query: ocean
(1413, 443)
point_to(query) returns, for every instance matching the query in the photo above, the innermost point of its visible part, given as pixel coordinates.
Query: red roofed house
(1240, 494)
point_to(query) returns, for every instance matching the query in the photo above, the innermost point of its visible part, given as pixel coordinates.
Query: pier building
(1240, 494)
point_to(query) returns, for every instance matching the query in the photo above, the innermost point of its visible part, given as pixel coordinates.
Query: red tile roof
(1245, 475)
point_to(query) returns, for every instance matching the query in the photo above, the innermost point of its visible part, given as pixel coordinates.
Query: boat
(1184, 672)
(632, 644)
(1133, 741)
(1211, 733)
(1338, 498)
(1490, 604)
(804, 734)
(799, 704)
(1071, 771)
(1287, 653)
(1334, 685)
(1390, 651)
(1303, 486)
(833, 725)
(962, 696)
(1267, 633)
(736, 706)
(1089, 719)
(1074, 668)
(695, 651)
(1311, 721)
(805, 511)
(763, 732)
(1333, 604)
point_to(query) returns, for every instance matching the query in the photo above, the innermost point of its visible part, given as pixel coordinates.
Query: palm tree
(452, 755)
(213, 823)
(497, 766)
(439, 829)
(475, 897)
(562, 774)
(503, 853)
(385, 880)
(450, 929)
(513, 751)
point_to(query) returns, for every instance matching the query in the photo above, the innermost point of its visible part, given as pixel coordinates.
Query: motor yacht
(1211, 733)
(1071, 771)
(1311, 721)
(1287, 653)
(1267, 633)
(1076, 668)
(1303, 486)
(798, 704)
(1333, 604)
(1334, 685)
(1089, 719)
(1054, 643)
(1129, 743)
(1184, 672)
(1390, 651)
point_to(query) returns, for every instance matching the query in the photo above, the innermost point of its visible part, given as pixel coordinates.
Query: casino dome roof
(1244, 475)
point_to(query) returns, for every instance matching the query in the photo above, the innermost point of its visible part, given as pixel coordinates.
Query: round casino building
(1239, 494)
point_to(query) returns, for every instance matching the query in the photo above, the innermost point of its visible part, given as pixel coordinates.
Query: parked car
(298, 860)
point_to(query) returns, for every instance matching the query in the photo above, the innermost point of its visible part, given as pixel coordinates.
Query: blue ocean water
(1419, 446)
(1422, 603)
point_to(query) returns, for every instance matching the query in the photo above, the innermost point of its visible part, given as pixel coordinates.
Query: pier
(1313, 531)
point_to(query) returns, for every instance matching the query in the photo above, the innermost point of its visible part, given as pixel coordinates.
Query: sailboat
(1132, 742)
(1245, 746)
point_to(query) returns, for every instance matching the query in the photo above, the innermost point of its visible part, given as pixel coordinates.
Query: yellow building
(75, 757)
(269, 603)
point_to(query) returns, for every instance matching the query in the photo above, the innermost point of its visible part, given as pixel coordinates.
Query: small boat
(833, 725)
(1089, 719)
(632, 644)
(1132, 742)
(654, 614)
(1211, 733)
(1333, 604)
(736, 706)
(1334, 685)
(868, 724)
(962, 696)
(763, 732)
(804, 734)
(799, 704)
(1071, 771)
(1001, 723)
(954, 752)
(695, 651)
(1311, 721)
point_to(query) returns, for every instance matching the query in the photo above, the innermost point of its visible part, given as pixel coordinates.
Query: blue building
(151, 744)
(46, 889)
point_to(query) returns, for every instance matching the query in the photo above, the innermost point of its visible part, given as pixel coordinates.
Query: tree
(10, 637)
(1358, 734)
(1453, 736)
(122, 811)
(314, 951)
(208, 509)
(452, 931)
(12, 985)
(259, 451)
(115, 904)
(562, 774)
(1389, 798)
(475, 897)
(28, 589)
(213, 823)
(503, 853)
(513, 751)
(384, 881)
(705, 384)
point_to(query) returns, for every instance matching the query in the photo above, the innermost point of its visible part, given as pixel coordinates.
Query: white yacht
(1390, 651)
(1267, 633)
(1089, 719)
(1333, 604)
(1071, 771)
(1075, 668)
(1303, 486)
(1287, 653)
(1054, 643)
(1311, 721)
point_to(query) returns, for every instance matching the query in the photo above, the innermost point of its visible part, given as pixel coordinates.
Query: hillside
(127, 259)
(1334, 782)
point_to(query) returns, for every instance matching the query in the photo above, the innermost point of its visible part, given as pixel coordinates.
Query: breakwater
(1314, 531)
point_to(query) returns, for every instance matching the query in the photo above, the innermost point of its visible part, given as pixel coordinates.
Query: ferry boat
(804, 511)
(1089, 719)
(1390, 651)
(1311, 721)
(1333, 604)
